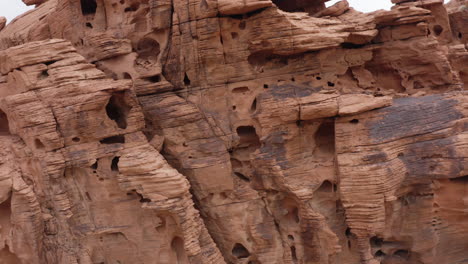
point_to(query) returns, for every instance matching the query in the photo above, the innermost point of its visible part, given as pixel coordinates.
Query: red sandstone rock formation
(222, 131)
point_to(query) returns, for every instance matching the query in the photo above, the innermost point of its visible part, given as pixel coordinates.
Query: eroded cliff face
(222, 131)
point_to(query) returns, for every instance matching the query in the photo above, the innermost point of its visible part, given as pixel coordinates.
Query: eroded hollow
(148, 49)
(325, 138)
(177, 246)
(115, 164)
(248, 136)
(239, 251)
(88, 7)
(113, 140)
(117, 109)
(4, 124)
(310, 6)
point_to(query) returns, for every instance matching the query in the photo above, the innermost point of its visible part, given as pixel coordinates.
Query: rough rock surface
(223, 131)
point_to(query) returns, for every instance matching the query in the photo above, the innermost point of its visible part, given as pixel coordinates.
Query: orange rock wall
(222, 131)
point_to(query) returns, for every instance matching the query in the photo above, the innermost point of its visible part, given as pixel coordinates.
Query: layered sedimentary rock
(221, 131)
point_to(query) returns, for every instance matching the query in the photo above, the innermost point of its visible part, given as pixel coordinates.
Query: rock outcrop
(222, 131)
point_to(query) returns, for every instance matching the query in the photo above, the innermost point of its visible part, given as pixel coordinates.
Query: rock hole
(293, 254)
(379, 253)
(291, 237)
(186, 80)
(4, 124)
(348, 232)
(89, 25)
(177, 246)
(310, 6)
(293, 79)
(44, 74)
(234, 107)
(300, 123)
(113, 140)
(354, 121)
(127, 76)
(376, 241)
(248, 136)
(460, 35)
(325, 138)
(239, 251)
(347, 45)
(294, 214)
(330, 84)
(239, 90)
(265, 86)
(38, 143)
(402, 253)
(88, 196)
(148, 49)
(318, 78)
(438, 29)
(94, 166)
(326, 186)
(253, 107)
(234, 35)
(463, 179)
(401, 154)
(242, 176)
(76, 139)
(132, 8)
(154, 79)
(117, 109)
(88, 7)
(115, 164)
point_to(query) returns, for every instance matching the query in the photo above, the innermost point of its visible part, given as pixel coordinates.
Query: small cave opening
(148, 49)
(239, 251)
(113, 140)
(38, 144)
(117, 109)
(310, 6)
(325, 138)
(376, 241)
(88, 7)
(241, 90)
(438, 29)
(115, 164)
(379, 253)
(177, 246)
(327, 187)
(154, 78)
(248, 136)
(463, 179)
(186, 80)
(4, 124)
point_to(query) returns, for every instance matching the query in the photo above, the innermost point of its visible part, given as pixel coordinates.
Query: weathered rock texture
(223, 131)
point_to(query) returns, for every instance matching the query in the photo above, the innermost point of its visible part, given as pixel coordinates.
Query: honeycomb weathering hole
(248, 135)
(117, 109)
(177, 246)
(148, 48)
(311, 6)
(88, 7)
(4, 125)
(239, 251)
